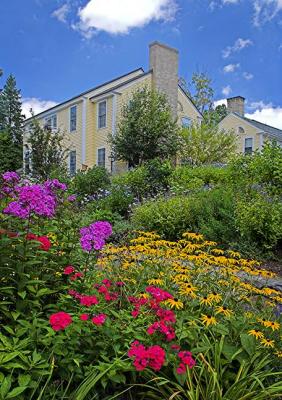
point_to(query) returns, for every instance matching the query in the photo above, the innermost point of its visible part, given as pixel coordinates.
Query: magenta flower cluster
(93, 237)
(11, 177)
(32, 199)
(55, 184)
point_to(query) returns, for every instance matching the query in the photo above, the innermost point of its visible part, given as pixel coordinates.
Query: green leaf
(22, 294)
(248, 343)
(15, 392)
(5, 387)
(24, 380)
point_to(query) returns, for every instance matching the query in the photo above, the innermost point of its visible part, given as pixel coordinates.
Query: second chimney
(236, 105)
(164, 63)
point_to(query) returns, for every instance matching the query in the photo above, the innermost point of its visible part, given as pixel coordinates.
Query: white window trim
(244, 141)
(241, 133)
(74, 130)
(53, 129)
(99, 102)
(101, 148)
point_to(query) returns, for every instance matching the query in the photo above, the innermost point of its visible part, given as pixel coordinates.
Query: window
(51, 122)
(27, 160)
(101, 157)
(241, 130)
(73, 118)
(102, 114)
(72, 162)
(186, 122)
(248, 145)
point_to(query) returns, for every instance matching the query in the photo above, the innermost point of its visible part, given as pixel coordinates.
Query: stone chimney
(164, 64)
(236, 105)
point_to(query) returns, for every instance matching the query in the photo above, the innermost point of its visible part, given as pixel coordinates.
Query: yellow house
(252, 135)
(90, 117)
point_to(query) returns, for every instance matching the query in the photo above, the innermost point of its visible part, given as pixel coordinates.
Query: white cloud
(230, 68)
(265, 10)
(118, 17)
(37, 105)
(239, 45)
(226, 90)
(220, 103)
(230, 1)
(248, 76)
(61, 13)
(269, 115)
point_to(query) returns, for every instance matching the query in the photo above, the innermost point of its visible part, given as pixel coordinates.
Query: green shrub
(169, 217)
(91, 181)
(209, 212)
(135, 181)
(259, 221)
(117, 201)
(186, 178)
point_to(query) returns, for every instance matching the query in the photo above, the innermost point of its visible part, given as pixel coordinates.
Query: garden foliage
(147, 319)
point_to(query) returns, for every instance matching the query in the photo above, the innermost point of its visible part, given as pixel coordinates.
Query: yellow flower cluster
(213, 284)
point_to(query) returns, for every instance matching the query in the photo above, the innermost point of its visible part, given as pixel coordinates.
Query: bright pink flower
(45, 243)
(60, 320)
(69, 270)
(175, 347)
(120, 283)
(84, 317)
(88, 301)
(181, 369)
(153, 357)
(76, 275)
(99, 319)
(107, 283)
(186, 358)
(158, 293)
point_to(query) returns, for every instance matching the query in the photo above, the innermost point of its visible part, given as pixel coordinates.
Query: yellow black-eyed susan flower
(174, 303)
(224, 310)
(256, 333)
(267, 342)
(206, 300)
(208, 320)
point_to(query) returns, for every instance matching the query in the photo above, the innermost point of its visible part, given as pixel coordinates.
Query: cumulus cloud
(230, 68)
(266, 10)
(248, 76)
(226, 90)
(239, 45)
(268, 115)
(61, 13)
(119, 17)
(37, 105)
(220, 102)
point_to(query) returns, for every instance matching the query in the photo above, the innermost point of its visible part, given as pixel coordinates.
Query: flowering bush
(80, 318)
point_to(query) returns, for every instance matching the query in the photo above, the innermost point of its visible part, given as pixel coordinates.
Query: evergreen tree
(11, 118)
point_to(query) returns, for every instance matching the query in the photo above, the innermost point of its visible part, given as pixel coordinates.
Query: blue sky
(59, 48)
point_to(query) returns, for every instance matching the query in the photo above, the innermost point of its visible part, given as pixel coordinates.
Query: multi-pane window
(72, 162)
(186, 122)
(102, 114)
(101, 157)
(248, 145)
(51, 122)
(73, 111)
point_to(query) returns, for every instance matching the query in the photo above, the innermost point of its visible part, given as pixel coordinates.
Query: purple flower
(12, 177)
(93, 237)
(32, 199)
(71, 198)
(54, 184)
